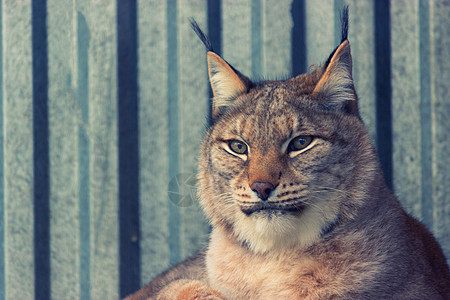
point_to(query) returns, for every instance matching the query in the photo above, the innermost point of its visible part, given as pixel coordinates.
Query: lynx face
(284, 161)
(276, 166)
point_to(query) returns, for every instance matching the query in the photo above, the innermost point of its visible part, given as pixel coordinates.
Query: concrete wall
(103, 107)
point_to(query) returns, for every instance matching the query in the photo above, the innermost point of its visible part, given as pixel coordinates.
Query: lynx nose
(263, 189)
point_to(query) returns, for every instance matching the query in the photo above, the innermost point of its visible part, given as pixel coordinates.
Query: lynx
(292, 186)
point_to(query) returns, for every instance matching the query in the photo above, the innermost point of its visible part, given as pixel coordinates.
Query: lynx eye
(237, 146)
(300, 143)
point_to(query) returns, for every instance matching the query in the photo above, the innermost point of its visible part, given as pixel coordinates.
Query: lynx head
(284, 161)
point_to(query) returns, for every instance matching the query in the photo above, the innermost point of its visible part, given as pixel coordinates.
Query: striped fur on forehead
(260, 127)
(275, 112)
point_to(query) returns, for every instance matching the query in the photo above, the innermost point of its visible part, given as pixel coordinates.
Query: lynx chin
(292, 185)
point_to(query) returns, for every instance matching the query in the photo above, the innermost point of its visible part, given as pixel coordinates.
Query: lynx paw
(185, 289)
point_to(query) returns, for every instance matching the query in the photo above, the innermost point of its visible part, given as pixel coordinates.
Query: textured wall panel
(81, 83)
(104, 252)
(18, 150)
(237, 34)
(276, 34)
(63, 151)
(440, 126)
(320, 31)
(362, 42)
(2, 169)
(154, 135)
(406, 104)
(192, 108)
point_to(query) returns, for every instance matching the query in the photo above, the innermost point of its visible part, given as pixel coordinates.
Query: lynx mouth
(271, 209)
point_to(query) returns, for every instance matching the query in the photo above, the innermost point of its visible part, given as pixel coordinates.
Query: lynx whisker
(307, 203)
(324, 188)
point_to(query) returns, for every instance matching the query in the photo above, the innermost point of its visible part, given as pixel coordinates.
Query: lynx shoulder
(292, 185)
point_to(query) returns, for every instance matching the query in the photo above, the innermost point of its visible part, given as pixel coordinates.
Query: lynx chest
(241, 274)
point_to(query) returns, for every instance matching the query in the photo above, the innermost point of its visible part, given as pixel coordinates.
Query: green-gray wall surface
(104, 103)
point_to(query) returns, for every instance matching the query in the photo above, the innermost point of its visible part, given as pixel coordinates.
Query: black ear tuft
(344, 24)
(201, 35)
(344, 31)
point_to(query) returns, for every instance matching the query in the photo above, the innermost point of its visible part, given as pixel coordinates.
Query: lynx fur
(292, 186)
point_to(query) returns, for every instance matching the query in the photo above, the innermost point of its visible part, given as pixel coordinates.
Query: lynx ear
(226, 82)
(336, 84)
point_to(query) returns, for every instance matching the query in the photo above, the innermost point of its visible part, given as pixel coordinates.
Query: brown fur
(333, 231)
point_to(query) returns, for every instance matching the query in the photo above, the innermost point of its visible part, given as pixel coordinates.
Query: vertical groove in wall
(215, 35)
(128, 119)
(425, 113)
(2, 162)
(298, 44)
(215, 24)
(173, 138)
(41, 151)
(256, 38)
(83, 37)
(383, 86)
